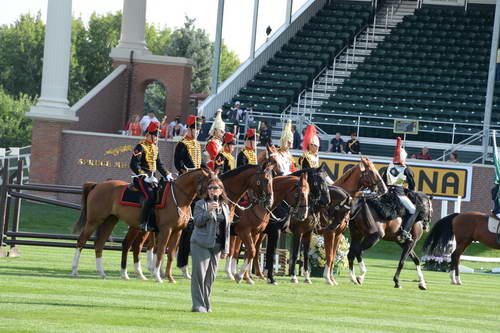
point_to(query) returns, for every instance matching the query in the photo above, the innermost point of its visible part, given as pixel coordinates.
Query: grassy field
(37, 295)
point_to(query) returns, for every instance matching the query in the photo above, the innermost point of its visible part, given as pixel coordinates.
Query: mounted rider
(495, 191)
(396, 176)
(286, 164)
(144, 163)
(214, 144)
(310, 158)
(187, 153)
(225, 156)
(248, 155)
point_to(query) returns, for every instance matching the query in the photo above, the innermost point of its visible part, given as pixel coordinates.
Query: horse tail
(80, 223)
(440, 235)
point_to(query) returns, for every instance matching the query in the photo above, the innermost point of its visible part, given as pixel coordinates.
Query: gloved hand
(169, 177)
(151, 180)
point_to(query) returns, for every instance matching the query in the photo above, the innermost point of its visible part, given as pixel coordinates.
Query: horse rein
(294, 209)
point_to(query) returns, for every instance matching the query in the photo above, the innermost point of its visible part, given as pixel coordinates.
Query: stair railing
(465, 142)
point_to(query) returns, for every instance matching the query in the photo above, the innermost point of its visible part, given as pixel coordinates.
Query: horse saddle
(134, 197)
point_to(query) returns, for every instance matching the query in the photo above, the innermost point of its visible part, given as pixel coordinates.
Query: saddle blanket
(493, 225)
(133, 198)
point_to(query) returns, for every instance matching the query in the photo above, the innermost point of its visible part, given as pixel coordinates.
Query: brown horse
(101, 211)
(368, 225)
(466, 228)
(336, 211)
(292, 190)
(361, 176)
(236, 182)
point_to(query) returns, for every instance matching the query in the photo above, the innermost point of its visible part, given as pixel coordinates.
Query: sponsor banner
(443, 180)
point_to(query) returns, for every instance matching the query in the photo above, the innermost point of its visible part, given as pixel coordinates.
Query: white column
(53, 102)
(288, 12)
(254, 27)
(217, 48)
(133, 29)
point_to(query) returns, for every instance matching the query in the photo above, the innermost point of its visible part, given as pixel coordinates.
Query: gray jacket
(204, 226)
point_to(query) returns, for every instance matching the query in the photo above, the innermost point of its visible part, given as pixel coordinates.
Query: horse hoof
(142, 277)
(230, 276)
(422, 287)
(355, 282)
(159, 280)
(237, 278)
(397, 286)
(171, 281)
(360, 280)
(273, 282)
(334, 282)
(329, 282)
(74, 274)
(308, 281)
(125, 277)
(294, 280)
(103, 276)
(250, 281)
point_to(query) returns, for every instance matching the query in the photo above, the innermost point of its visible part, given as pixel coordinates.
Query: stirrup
(404, 236)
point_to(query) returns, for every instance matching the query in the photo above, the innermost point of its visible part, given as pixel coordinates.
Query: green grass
(37, 295)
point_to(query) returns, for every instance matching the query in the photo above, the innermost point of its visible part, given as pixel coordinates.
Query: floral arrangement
(317, 255)
(439, 261)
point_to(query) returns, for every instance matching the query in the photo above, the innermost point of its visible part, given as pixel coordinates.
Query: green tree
(21, 54)
(229, 62)
(157, 39)
(15, 127)
(155, 98)
(195, 44)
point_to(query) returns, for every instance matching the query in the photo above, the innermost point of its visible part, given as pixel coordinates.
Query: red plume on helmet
(399, 153)
(308, 136)
(153, 128)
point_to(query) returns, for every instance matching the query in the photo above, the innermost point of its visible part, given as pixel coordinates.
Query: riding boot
(146, 212)
(404, 232)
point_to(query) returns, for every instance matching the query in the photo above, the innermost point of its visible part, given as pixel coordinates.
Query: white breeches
(407, 203)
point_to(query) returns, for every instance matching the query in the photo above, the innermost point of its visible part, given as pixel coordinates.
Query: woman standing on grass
(210, 238)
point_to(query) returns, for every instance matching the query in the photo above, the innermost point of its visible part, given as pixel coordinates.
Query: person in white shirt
(147, 119)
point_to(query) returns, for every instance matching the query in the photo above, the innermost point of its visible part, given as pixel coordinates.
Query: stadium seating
(302, 58)
(433, 67)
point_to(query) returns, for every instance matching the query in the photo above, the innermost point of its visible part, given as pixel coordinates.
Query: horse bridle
(366, 182)
(295, 208)
(262, 197)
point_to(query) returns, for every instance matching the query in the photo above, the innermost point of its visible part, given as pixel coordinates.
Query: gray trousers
(204, 263)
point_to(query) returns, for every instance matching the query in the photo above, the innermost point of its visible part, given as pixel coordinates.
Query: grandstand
(357, 66)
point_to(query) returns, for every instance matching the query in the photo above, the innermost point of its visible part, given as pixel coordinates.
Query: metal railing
(250, 67)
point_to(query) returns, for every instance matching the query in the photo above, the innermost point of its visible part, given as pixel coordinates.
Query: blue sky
(237, 24)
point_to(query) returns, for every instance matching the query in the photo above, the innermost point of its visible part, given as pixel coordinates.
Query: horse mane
(344, 177)
(237, 171)
(299, 173)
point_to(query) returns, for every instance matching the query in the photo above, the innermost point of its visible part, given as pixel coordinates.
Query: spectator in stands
(297, 139)
(265, 134)
(337, 144)
(353, 146)
(147, 119)
(453, 158)
(134, 128)
(423, 155)
(237, 113)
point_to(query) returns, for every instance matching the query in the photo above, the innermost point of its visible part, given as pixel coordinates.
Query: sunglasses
(213, 187)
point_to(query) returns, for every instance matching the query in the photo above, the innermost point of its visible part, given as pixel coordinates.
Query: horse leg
(293, 259)
(306, 243)
(236, 255)
(329, 241)
(407, 247)
(416, 260)
(183, 252)
(368, 242)
(246, 237)
(90, 226)
(137, 249)
(102, 235)
(150, 247)
(227, 266)
(272, 242)
(336, 242)
(171, 250)
(256, 261)
(161, 244)
(126, 245)
(462, 244)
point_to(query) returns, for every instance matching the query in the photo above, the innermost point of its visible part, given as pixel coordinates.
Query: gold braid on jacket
(194, 151)
(151, 154)
(230, 159)
(251, 156)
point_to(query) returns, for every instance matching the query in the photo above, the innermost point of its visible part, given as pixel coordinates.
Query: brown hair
(223, 197)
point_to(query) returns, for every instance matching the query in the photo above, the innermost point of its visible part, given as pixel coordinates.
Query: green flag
(496, 160)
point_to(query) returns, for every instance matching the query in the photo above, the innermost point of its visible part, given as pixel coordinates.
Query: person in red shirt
(423, 155)
(134, 127)
(214, 144)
